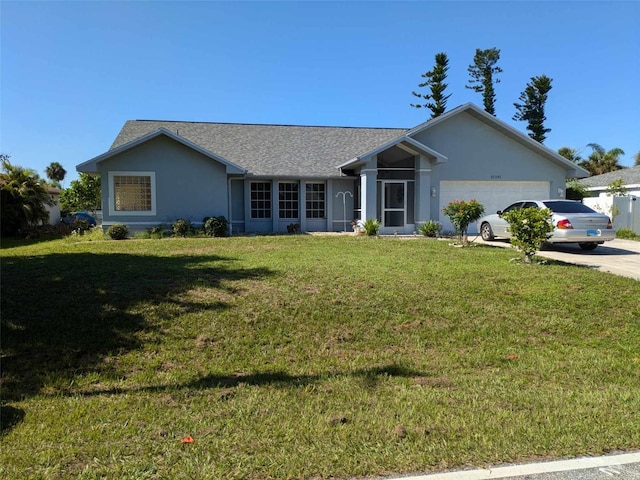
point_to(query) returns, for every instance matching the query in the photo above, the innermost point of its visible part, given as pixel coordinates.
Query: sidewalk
(624, 466)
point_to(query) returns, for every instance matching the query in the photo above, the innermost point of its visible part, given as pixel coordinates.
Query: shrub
(627, 233)
(215, 226)
(118, 231)
(463, 213)
(371, 227)
(157, 231)
(181, 227)
(430, 228)
(293, 228)
(530, 228)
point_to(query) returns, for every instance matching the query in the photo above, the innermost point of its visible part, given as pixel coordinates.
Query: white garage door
(493, 195)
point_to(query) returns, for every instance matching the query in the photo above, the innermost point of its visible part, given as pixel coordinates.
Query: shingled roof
(272, 150)
(629, 176)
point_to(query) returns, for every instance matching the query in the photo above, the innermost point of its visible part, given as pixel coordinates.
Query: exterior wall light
(433, 191)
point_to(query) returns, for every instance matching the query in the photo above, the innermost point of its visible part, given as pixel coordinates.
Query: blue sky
(73, 72)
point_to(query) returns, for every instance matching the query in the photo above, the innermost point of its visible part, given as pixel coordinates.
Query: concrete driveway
(620, 257)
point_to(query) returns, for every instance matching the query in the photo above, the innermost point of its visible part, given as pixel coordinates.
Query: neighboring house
(54, 210)
(626, 212)
(265, 177)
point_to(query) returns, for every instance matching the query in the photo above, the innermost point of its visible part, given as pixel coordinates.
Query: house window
(260, 199)
(315, 200)
(288, 200)
(132, 193)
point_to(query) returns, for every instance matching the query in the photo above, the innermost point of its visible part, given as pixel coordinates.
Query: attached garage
(494, 195)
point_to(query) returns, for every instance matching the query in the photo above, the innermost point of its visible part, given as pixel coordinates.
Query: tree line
(24, 195)
(530, 108)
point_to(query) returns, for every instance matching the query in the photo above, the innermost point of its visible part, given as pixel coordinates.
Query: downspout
(230, 225)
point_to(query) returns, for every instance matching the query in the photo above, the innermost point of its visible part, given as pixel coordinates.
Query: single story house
(626, 213)
(263, 178)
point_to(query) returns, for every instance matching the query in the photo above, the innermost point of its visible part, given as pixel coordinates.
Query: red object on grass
(187, 439)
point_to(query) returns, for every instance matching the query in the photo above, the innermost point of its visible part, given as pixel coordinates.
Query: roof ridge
(267, 124)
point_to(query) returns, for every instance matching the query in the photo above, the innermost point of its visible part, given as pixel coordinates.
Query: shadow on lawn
(280, 379)
(62, 314)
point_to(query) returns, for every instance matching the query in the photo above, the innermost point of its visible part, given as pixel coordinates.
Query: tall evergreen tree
(602, 161)
(482, 79)
(436, 100)
(533, 98)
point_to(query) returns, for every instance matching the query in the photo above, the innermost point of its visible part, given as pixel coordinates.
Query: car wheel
(486, 233)
(588, 246)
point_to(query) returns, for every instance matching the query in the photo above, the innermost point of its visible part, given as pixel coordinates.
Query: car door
(501, 226)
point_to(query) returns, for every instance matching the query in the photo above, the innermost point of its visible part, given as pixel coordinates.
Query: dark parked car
(80, 217)
(574, 222)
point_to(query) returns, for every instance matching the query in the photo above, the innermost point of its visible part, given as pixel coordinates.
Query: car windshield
(568, 207)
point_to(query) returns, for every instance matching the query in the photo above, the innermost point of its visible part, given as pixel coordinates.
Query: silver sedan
(574, 222)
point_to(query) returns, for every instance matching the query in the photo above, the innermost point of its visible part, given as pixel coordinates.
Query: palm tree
(601, 161)
(637, 159)
(571, 154)
(22, 197)
(55, 172)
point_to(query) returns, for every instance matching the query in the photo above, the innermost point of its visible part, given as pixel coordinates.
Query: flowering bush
(462, 213)
(430, 228)
(529, 228)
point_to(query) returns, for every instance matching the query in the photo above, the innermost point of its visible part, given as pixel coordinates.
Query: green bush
(463, 213)
(530, 228)
(181, 227)
(430, 228)
(215, 226)
(371, 227)
(118, 231)
(157, 231)
(627, 233)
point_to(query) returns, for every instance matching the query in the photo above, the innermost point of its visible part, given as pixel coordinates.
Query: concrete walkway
(620, 257)
(624, 466)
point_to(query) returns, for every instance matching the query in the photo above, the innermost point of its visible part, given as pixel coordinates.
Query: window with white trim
(260, 199)
(315, 200)
(288, 200)
(132, 193)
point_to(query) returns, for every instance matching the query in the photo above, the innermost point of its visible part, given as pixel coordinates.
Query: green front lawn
(307, 357)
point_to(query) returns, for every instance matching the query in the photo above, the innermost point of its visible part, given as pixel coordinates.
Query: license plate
(593, 233)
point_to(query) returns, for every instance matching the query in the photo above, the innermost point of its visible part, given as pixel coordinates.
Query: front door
(394, 206)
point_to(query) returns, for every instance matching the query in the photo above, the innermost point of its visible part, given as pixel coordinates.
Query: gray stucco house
(265, 177)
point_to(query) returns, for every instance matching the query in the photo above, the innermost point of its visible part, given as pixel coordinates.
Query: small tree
(530, 228)
(615, 189)
(463, 213)
(531, 110)
(83, 194)
(575, 190)
(436, 100)
(482, 74)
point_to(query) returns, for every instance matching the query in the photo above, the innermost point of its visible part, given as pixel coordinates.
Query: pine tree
(533, 98)
(482, 76)
(435, 81)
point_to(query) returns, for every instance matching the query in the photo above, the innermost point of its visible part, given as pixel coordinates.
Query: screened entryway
(396, 184)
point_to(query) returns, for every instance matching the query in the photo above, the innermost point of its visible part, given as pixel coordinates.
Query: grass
(306, 357)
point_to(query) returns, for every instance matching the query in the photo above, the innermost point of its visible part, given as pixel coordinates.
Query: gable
(271, 150)
(93, 165)
(498, 135)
